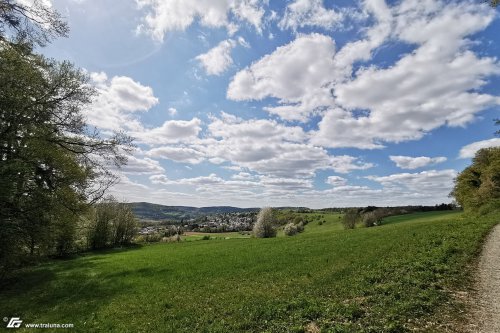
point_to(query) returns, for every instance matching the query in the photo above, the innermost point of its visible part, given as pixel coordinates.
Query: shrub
(381, 214)
(369, 219)
(140, 239)
(300, 227)
(153, 238)
(290, 229)
(264, 227)
(111, 224)
(375, 217)
(351, 217)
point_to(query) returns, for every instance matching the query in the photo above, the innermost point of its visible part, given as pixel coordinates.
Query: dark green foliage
(111, 224)
(40, 179)
(51, 164)
(64, 232)
(477, 188)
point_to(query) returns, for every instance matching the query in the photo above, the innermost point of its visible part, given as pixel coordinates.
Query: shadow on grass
(140, 273)
(19, 274)
(67, 290)
(110, 250)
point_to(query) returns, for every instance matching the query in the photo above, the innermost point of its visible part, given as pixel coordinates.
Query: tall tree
(350, 218)
(110, 223)
(52, 165)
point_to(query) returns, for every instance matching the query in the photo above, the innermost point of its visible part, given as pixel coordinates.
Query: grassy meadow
(196, 236)
(394, 278)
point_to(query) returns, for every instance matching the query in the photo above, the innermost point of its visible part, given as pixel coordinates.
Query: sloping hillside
(393, 278)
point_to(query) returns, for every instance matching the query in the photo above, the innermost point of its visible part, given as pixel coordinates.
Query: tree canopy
(477, 188)
(52, 164)
(30, 21)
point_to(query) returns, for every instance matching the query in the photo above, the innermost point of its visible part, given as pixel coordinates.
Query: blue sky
(302, 102)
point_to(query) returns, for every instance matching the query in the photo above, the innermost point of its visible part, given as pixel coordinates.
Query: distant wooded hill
(149, 211)
(153, 212)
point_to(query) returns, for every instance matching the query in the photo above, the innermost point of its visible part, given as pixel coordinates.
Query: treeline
(54, 169)
(369, 216)
(397, 210)
(282, 218)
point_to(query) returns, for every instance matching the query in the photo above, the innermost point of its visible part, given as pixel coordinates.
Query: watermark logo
(14, 322)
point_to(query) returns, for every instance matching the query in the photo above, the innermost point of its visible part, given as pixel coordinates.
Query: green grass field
(196, 236)
(422, 217)
(391, 278)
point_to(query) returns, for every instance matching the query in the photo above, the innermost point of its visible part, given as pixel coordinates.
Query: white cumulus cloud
(426, 184)
(170, 15)
(218, 59)
(271, 148)
(172, 111)
(470, 150)
(117, 101)
(172, 131)
(301, 13)
(405, 101)
(177, 154)
(141, 166)
(407, 162)
(336, 181)
(295, 74)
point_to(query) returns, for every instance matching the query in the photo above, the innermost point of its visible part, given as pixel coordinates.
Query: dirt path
(486, 302)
